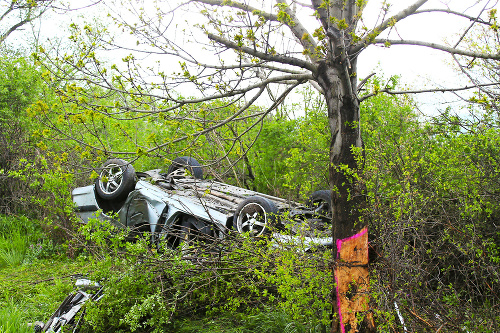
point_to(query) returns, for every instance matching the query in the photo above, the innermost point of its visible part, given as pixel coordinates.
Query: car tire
(186, 162)
(116, 180)
(321, 202)
(255, 215)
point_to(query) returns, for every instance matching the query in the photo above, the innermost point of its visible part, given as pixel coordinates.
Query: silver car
(179, 205)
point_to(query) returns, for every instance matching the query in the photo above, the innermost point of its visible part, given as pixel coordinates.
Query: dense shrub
(150, 290)
(433, 194)
(19, 87)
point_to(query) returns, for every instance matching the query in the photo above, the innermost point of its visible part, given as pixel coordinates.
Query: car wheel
(321, 202)
(116, 180)
(255, 215)
(181, 166)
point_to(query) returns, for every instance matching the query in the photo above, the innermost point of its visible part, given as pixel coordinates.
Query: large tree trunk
(337, 77)
(338, 84)
(343, 116)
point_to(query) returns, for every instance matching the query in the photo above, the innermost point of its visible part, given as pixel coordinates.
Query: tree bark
(337, 79)
(343, 116)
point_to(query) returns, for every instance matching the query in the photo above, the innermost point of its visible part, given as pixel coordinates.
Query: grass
(12, 320)
(13, 246)
(30, 288)
(30, 293)
(267, 321)
(15, 236)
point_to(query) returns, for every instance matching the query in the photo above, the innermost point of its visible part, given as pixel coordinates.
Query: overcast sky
(417, 66)
(420, 66)
(413, 61)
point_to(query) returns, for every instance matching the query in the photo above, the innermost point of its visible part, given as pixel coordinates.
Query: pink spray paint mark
(339, 246)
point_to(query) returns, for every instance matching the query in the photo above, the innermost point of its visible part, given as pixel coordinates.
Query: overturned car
(180, 205)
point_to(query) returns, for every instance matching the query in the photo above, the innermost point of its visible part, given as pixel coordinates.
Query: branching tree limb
(447, 49)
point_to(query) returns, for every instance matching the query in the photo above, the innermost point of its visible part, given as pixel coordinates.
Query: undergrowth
(12, 319)
(35, 276)
(266, 320)
(32, 292)
(260, 284)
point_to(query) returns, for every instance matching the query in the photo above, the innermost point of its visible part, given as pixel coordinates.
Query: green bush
(149, 289)
(433, 210)
(290, 157)
(20, 85)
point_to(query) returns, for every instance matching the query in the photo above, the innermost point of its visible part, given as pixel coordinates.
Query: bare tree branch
(435, 46)
(305, 5)
(449, 11)
(430, 90)
(13, 28)
(264, 56)
(239, 5)
(471, 25)
(26, 12)
(8, 10)
(301, 34)
(386, 24)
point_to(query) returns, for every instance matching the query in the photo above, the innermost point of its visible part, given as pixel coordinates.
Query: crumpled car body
(180, 204)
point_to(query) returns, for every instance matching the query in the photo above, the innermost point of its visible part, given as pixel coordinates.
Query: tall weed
(12, 320)
(13, 247)
(15, 235)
